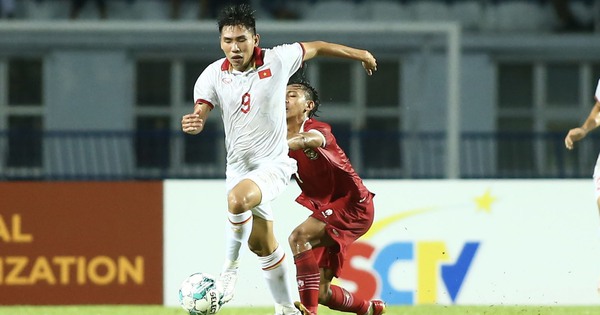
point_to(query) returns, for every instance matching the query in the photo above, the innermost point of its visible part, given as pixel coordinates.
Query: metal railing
(131, 155)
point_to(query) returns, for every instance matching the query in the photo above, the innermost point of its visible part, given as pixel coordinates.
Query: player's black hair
(310, 93)
(241, 14)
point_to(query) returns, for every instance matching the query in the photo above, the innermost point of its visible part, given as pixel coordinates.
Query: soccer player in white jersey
(576, 134)
(249, 88)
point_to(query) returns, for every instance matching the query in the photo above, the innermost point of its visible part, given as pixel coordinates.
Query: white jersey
(252, 104)
(597, 166)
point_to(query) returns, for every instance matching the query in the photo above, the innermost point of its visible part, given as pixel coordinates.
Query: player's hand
(192, 123)
(369, 63)
(574, 135)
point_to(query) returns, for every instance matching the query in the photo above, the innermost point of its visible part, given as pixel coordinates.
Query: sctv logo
(430, 261)
(426, 268)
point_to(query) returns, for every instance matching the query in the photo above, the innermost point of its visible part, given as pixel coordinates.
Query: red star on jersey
(264, 73)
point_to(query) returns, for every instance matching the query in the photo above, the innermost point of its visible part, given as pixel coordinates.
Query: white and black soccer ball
(199, 294)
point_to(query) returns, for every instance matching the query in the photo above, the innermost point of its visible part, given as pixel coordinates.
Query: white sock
(239, 228)
(275, 272)
(230, 265)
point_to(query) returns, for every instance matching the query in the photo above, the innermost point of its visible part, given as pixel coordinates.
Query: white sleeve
(204, 88)
(291, 56)
(598, 92)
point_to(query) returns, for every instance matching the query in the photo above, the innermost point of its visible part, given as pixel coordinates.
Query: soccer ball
(199, 294)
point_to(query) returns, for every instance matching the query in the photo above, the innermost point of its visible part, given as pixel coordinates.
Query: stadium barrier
(156, 155)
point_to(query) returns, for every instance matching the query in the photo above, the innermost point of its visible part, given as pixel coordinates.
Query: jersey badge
(263, 74)
(311, 154)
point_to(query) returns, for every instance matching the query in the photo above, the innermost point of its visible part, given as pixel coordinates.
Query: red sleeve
(303, 53)
(199, 101)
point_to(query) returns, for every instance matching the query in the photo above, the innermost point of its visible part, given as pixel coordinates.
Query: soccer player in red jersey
(341, 205)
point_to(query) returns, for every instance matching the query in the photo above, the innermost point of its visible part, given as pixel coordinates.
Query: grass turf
(400, 310)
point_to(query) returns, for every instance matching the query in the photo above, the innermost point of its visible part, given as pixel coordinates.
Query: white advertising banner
(488, 242)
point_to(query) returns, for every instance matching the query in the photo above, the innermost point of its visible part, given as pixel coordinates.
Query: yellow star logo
(484, 202)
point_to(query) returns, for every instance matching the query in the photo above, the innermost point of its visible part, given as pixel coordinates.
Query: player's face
(238, 44)
(296, 104)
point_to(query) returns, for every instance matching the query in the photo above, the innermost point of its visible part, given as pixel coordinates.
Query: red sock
(307, 275)
(342, 300)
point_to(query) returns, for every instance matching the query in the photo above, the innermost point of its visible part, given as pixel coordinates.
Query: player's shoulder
(285, 48)
(214, 67)
(312, 123)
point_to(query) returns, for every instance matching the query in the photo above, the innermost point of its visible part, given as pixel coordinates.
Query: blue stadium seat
(387, 10)
(328, 10)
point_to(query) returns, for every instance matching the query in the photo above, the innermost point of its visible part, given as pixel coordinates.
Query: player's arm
(591, 123)
(321, 48)
(306, 140)
(193, 123)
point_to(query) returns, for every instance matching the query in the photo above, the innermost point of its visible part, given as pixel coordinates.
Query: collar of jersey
(258, 61)
(302, 125)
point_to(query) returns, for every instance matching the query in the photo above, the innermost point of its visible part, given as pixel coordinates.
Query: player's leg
(241, 198)
(272, 179)
(340, 299)
(340, 232)
(347, 232)
(303, 238)
(271, 256)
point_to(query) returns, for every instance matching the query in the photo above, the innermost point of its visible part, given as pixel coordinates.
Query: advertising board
(81, 243)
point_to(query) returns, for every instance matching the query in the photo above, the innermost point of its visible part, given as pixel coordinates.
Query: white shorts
(597, 178)
(272, 178)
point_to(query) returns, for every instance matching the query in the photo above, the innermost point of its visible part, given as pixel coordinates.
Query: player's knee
(237, 204)
(298, 237)
(292, 239)
(258, 248)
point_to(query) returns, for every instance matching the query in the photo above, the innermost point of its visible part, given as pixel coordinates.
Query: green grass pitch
(399, 310)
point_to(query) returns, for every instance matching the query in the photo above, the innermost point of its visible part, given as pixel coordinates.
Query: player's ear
(256, 39)
(310, 105)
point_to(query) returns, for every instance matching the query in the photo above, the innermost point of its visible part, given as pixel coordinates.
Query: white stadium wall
(486, 242)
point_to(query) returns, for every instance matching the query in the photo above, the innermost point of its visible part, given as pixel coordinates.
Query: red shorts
(345, 221)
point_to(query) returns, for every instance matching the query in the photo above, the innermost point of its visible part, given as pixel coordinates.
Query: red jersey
(325, 173)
